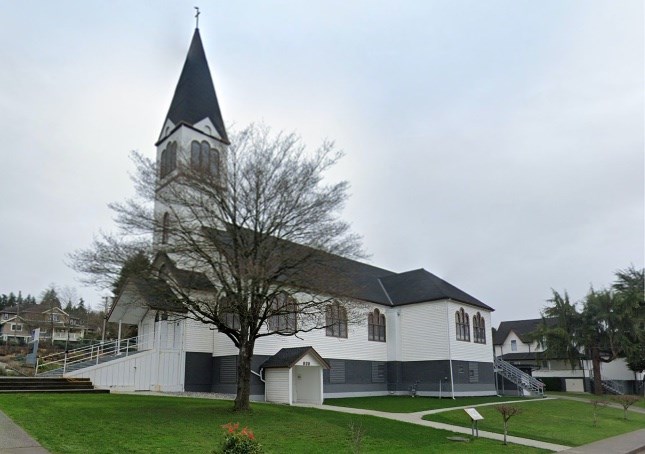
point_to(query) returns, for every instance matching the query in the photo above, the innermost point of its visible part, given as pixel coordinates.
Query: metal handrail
(92, 354)
(613, 387)
(520, 378)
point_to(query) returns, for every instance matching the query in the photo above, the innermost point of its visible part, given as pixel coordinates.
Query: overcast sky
(497, 144)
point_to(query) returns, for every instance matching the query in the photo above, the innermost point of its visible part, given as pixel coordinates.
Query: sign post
(474, 417)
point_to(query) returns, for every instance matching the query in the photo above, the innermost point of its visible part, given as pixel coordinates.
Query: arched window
(376, 326)
(283, 316)
(462, 325)
(168, 159)
(203, 158)
(228, 316)
(336, 320)
(479, 329)
(165, 228)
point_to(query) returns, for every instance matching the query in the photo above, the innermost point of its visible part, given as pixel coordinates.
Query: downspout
(259, 375)
(452, 379)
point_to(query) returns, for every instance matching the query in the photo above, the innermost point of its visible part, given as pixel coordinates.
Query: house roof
(417, 286)
(523, 329)
(344, 277)
(288, 357)
(185, 278)
(138, 295)
(195, 97)
(522, 356)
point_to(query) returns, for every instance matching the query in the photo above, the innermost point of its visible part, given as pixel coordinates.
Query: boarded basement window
(378, 372)
(228, 370)
(473, 373)
(337, 371)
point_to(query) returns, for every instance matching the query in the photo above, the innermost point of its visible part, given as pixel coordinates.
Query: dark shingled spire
(195, 97)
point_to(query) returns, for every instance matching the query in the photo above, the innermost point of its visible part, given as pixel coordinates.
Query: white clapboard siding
(355, 346)
(198, 337)
(423, 331)
(278, 386)
(469, 350)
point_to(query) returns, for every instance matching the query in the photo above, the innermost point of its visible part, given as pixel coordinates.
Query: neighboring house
(65, 327)
(417, 331)
(515, 342)
(14, 329)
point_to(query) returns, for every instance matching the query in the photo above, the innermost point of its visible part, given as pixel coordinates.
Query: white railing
(521, 379)
(59, 363)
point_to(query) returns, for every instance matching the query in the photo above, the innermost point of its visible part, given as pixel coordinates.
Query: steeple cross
(196, 16)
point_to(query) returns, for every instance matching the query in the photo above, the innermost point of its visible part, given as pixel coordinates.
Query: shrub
(239, 441)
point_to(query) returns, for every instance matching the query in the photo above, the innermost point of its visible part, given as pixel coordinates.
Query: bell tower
(193, 133)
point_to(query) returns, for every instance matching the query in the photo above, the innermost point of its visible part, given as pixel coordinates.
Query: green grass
(120, 423)
(558, 421)
(588, 396)
(408, 404)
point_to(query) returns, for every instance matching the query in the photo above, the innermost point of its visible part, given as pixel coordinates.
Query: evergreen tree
(136, 265)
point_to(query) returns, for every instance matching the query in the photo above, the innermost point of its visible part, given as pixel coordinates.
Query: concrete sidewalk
(14, 440)
(630, 443)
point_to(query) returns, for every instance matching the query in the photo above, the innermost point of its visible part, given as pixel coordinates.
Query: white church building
(418, 331)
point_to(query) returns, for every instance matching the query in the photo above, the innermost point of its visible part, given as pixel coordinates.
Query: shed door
(307, 381)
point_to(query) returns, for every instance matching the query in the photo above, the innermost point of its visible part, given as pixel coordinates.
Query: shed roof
(289, 357)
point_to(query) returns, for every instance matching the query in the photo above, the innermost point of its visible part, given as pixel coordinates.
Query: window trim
(462, 325)
(479, 329)
(376, 330)
(513, 345)
(336, 321)
(283, 321)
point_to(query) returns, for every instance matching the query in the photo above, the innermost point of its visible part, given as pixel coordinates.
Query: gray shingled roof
(336, 275)
(288, 357)
(523, 329)
(195, 97)
(420, 285)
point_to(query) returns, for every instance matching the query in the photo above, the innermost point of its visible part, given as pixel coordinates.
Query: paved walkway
(14, 440)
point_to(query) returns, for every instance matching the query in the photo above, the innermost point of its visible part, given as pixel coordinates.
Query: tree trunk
(597, 378)
(242, 402)
(505, 430)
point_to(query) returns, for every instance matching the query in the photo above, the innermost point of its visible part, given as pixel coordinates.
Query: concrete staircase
(47, 385)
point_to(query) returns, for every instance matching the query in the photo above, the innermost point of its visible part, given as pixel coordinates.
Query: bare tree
(507, 412)
(253, 241)
(625, 401)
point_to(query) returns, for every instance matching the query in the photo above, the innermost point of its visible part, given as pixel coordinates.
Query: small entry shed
(294, 375)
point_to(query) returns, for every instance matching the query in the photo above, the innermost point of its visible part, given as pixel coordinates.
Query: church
(418, 333)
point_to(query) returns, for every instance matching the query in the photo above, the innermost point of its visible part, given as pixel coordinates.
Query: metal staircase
(57, 364)
(523, 380)
(613, 387)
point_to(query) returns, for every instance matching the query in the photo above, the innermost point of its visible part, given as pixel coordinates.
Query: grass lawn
(588, 396)
(120, 423)
(559, 421)
(408, 404)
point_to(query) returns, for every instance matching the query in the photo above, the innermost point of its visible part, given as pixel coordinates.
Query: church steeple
(195, 102)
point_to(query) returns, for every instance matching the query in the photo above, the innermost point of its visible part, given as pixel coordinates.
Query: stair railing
(90, 355)
(520, 378)
(613, 387)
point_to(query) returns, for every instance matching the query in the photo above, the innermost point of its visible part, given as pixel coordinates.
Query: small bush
(239, 442)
